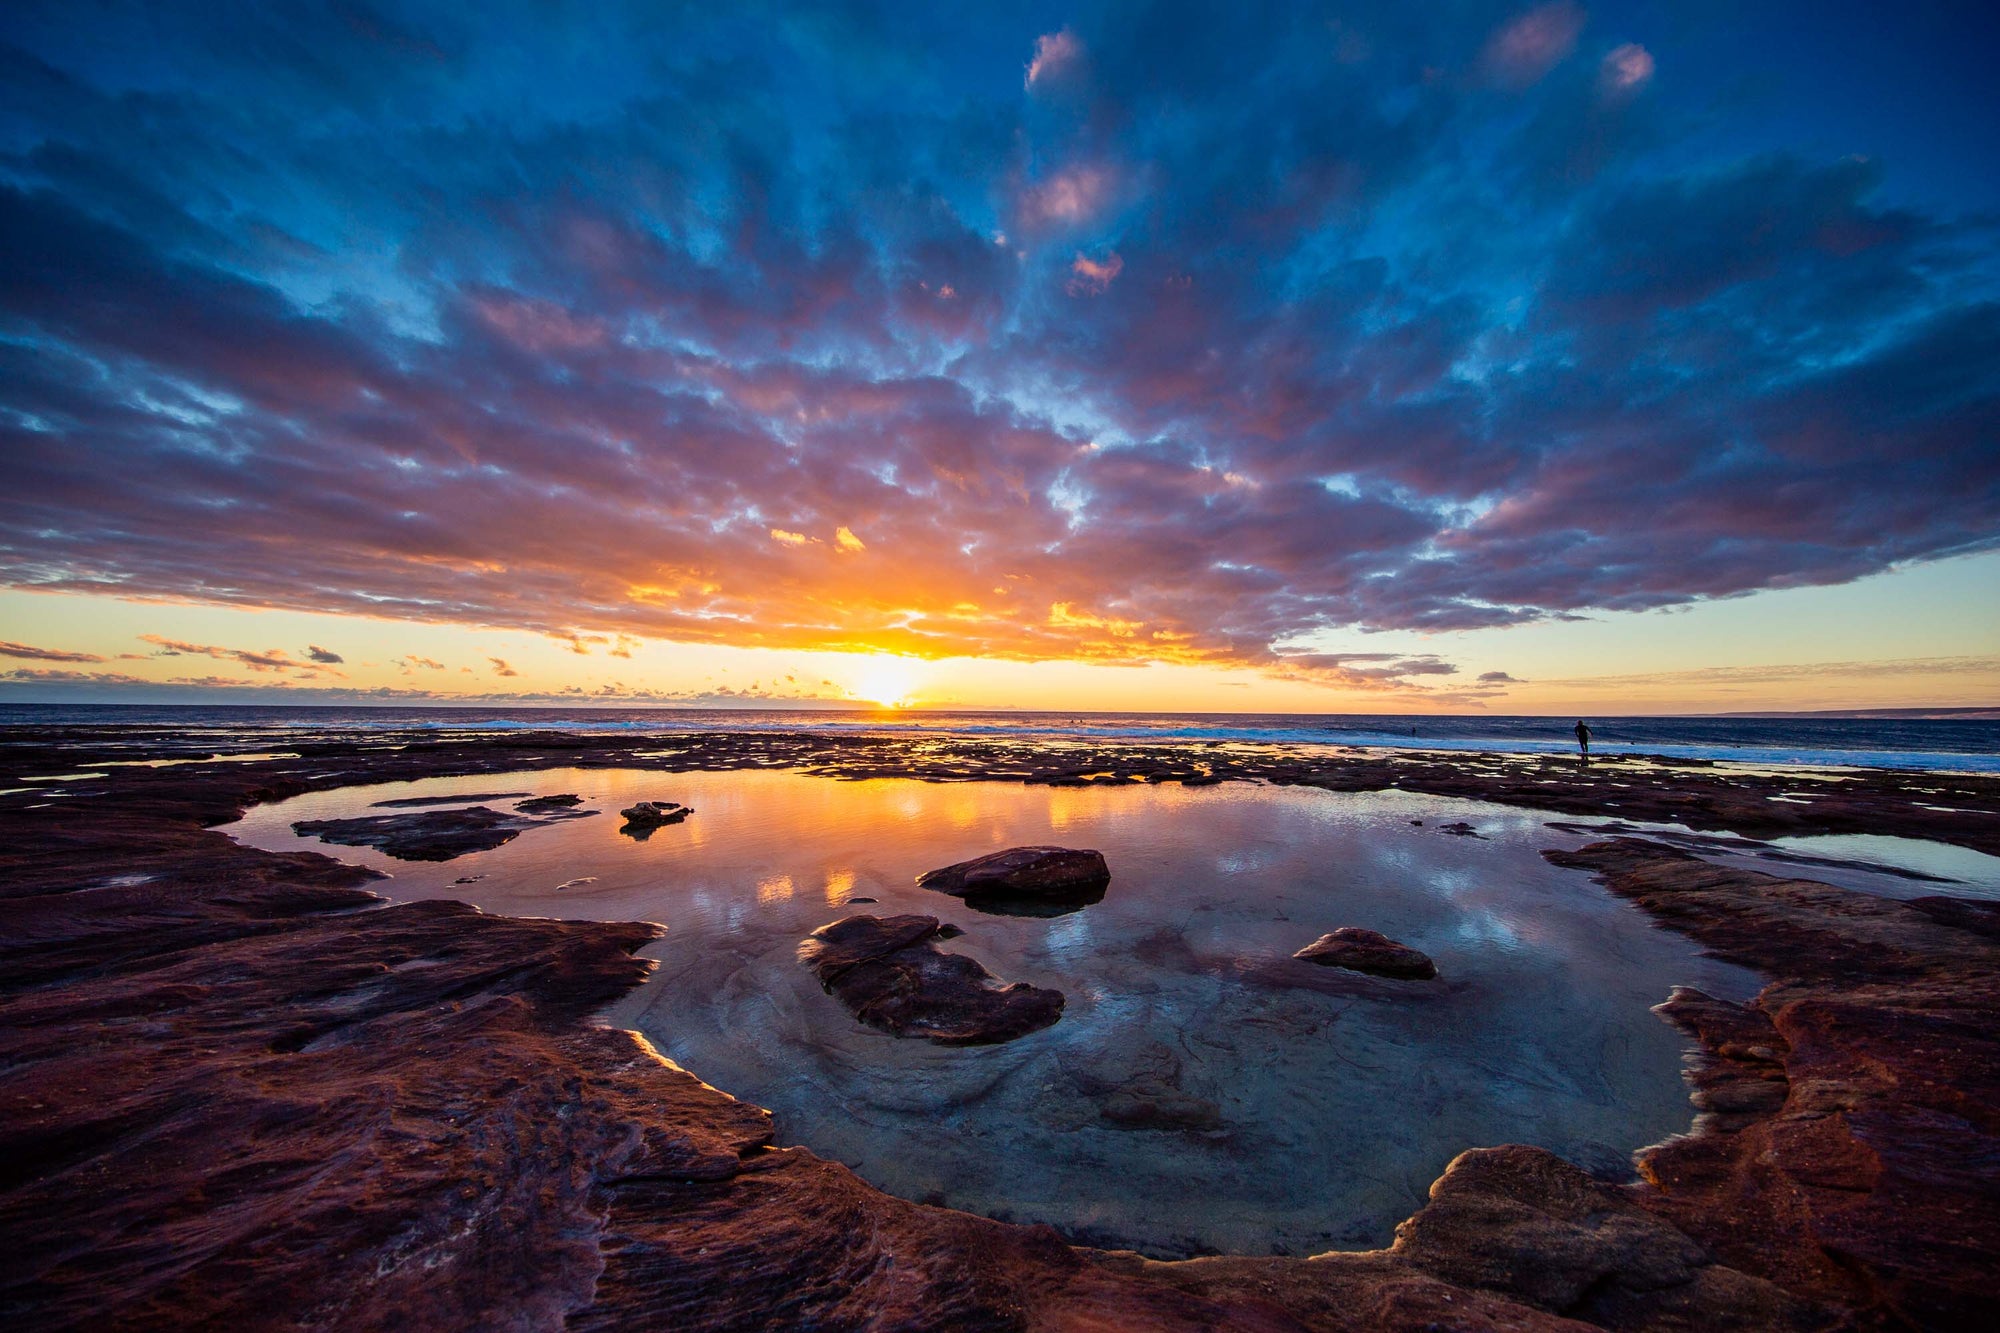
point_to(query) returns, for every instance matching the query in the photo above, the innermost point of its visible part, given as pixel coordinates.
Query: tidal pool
(1313, 1106)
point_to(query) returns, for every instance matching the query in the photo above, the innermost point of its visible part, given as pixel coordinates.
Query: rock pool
(1203, 1090)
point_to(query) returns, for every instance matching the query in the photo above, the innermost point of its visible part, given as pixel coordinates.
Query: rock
(642, 819)
(245, 1086)
(1460, 829)
(1361, 950)
(855, 902)
(549, 805)
(1522, 1222)
(1978, 916)
(1024, 879)
(1141, 1089)
(427, 835)
(891, 975)
(653, 814)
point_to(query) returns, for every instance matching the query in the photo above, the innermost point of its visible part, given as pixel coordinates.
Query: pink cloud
(1625, 70)
(1072, 195)
(1055, 53)
(1530, 45)
(500, 667)
(1090, 277)
(538, 326)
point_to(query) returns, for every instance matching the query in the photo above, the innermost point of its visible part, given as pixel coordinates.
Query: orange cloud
(1090, 277)
(44, 654)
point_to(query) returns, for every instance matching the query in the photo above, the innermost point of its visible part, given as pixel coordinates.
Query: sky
(1373, 357)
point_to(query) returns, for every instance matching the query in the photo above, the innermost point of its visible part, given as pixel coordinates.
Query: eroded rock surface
(1024, 877)
(425, 835)
(891, 975)
(232, 1095)
(1848, 1145)
(1368, 951)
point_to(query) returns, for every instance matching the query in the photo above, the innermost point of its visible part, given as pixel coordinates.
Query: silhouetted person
(1583, 738)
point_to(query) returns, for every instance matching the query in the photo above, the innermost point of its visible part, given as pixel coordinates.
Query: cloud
(410, 660)
(1626, 70)
(63, 684)
(271, 659)
(1528, 46)
(1091, 277)
(1793, 673)
(44, 654)
(323, 656)
(500, 667)
(615, 363)
(63, 676)
(1073, 195)
(1055, 54)
(1497, 678)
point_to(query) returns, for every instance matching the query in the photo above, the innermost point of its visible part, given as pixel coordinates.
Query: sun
(885, 680)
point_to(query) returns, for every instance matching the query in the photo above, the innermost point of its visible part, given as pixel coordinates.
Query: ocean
(1958, 744)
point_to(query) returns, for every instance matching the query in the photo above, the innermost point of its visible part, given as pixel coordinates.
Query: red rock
(1367, 951)
(891, 975)
(1058, 874)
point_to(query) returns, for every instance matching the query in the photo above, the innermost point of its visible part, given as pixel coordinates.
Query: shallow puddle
(1293, 1108)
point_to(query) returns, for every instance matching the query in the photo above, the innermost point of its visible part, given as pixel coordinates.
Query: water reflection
(1203, 1090)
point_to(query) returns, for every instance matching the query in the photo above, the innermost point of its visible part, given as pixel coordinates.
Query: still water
(1304, 1108)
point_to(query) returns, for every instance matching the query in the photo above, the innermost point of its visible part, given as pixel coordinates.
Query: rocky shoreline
(236, 1088)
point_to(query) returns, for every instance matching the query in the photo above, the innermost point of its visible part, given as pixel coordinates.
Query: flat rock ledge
(437, 835)
(425, 835)
(1060, 876)
(891, 975)
(237, 1091)
(1368, 951)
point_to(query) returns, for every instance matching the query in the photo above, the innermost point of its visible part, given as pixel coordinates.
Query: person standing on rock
(1583, 738)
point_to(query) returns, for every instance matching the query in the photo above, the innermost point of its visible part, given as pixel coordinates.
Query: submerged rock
(427, 835)
(549, 805)
(1024, 879)
(1141, 1089)
(891, 975)
(1361, 950)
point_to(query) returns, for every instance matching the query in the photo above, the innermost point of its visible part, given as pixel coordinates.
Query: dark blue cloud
(1206, 332)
